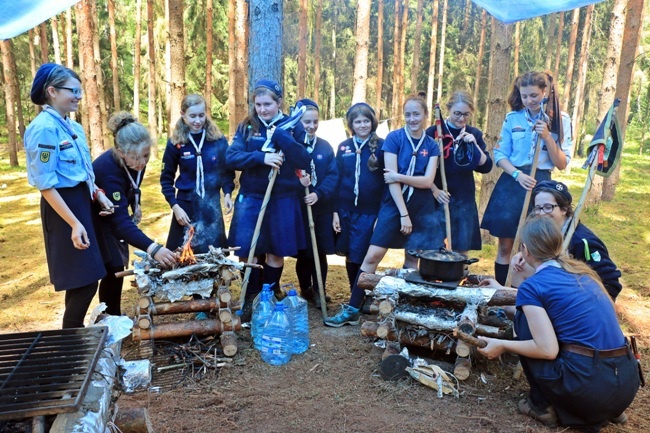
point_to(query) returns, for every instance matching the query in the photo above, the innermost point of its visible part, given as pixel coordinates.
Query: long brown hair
(129, 134)
(182, 129)
(252, 121)
(363, 109)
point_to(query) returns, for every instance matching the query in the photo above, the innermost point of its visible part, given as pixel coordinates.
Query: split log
(185, 329)
(225, 315)
(462, 368)
(412, 337)
(229, 343)
(134, 420)
(161, 308)
(461, 296)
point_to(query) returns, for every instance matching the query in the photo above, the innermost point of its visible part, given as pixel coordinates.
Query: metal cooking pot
(442, 264)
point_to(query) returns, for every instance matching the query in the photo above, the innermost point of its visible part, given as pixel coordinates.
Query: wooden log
(468, 339)
(225, 315)
(505, 333)
(191, 306)
(412, 337)
(224, 295)
(144, 303)
(229, 343)
(369, 329)
(466, 326)
(144, 321)
(493, 316)
(385, 307)
(463, 349)
(133, 420)
(393, 367)
(385, 329)
(462, 368)
(227, 276)
(185, 329)
(392, 348)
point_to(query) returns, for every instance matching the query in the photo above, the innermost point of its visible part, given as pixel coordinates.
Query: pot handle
(414, 253)
(470, 261)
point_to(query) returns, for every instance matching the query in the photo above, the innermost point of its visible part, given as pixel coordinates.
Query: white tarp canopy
(509, 11)
(18, 16)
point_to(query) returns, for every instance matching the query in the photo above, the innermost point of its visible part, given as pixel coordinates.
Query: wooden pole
(443, 176)
(314, 245)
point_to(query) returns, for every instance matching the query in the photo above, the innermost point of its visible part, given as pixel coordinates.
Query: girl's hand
(228, 203)
(391, 176)
(166, 257)
(518, 262)
(336, 223)
(441, 196)
(407, 226)
(493, 349)
(491, 283)
(525, 181)
(273, 159)
(180, 215)
(305, 180)
(108, 208)
(542, 129)
(467, 137)
(80, 237)
(311, 199)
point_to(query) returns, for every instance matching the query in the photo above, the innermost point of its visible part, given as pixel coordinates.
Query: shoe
(621, 419)
(347, 316)
(547, 416)
(246, 312)
(201, 316)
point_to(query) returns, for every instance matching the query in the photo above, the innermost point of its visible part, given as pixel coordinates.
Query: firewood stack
(423, 315)
(170, 291)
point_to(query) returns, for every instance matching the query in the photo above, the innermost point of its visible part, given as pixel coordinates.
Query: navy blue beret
(360, 104)
(37, 93)
(272, 85)
(307, 103)
(555, 186)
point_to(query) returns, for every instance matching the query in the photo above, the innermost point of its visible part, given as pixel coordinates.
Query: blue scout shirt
(516, 141)
(396, 142)
(54, 159)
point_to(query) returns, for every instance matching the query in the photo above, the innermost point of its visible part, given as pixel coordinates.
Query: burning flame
(187, 255)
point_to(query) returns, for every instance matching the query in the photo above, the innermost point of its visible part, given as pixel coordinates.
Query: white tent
(18, 16)
(509, 11)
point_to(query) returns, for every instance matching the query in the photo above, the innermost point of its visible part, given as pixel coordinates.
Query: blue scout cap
(37, 93)
(272, 85)
(556, 186)
(307, 103)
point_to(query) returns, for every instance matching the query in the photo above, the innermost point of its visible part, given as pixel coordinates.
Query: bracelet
(404, 216)
(155, 250)
(97, 191)
(515, 174)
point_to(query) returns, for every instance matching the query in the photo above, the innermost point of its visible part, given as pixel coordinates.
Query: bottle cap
(292, 292)
(279, 306)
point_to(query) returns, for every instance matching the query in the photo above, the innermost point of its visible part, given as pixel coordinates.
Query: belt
(587, 351)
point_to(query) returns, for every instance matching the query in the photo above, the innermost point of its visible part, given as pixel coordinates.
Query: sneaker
(621, 419)
(547, 416)
(201, 316)
(347, 316)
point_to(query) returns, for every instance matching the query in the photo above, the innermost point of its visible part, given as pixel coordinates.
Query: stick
(443, 176)
(319, 275)
(256, 233)
(469, 339)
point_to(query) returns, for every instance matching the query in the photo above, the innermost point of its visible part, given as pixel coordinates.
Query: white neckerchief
(310, 148)
(200, 177)
(411, 169)
(357, 167)
(531, 124)
(266, 147)
(137, 212)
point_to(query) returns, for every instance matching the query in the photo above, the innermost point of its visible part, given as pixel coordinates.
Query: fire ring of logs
(424, 315)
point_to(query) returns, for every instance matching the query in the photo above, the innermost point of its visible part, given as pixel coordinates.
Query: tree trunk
(578, 103)
(83, 111)
(631, 38)
(317, 48)
(232, 70)
(397, 34)
(432, 57)
(303, 36)
(103, 105)
(208, 56)
(443, 36)
(68, 39)
(607, 91)
(137, 57)
(558, 46)
(332, 97)
(116, 79)
(517, 42)
(361, 54)
(402, 55)
(242, 33)
(479, 57)
(54, 23)
(238, 78)
(32, 53)
(415, 69)
(91, 81)
(493, 30)
(550, 40)
(380, 56)
(44, 45)
(500, 84)
(151, 110)
(265, 44)
(575, 20)
(10, 85)
(168, 69)
(177, 57)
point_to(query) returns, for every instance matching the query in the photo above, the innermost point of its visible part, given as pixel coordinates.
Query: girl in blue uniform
(464, 153)
(321, 179)
(263, 142)
(514, 154)
(580, 370)
(59, 165)
(407, 218)
(360, 187)
(119, 172)
(193, 175)
(552, 199)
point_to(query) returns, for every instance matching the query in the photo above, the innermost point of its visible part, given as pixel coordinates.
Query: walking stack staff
(443, 176)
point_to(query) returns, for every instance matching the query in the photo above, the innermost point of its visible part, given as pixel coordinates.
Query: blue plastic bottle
(261, 314)
(276, 337)
(268, 289)
(299, 318)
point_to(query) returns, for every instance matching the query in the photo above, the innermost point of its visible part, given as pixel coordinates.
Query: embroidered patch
(45, 156)
(319, 156)
(117, 196)
(342, 147)
(518, 129)
(424, 152)
(47, 146)
(65, 146)
(595, 256)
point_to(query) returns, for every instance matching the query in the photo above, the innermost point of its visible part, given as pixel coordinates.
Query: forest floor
(335, 385)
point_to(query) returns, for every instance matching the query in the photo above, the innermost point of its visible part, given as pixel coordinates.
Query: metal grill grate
(47, 372)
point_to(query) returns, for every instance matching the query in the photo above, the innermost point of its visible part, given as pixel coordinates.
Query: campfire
(187, 255)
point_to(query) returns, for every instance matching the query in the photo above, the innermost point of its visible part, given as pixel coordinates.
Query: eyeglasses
(76, 91)
(547, 208)
(458, 114)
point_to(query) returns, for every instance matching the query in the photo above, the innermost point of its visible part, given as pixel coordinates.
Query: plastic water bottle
(268, 289)
(261, 314)
(276, 337)
(299, 318)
